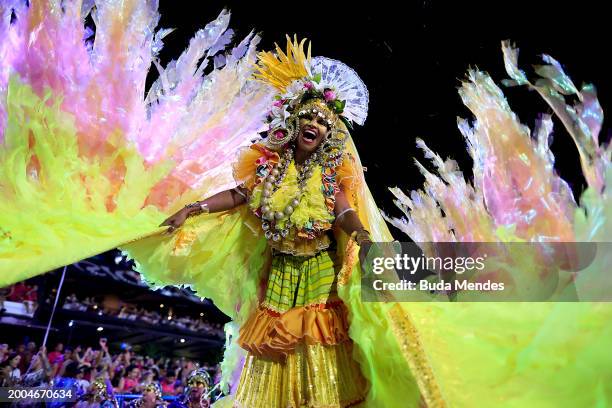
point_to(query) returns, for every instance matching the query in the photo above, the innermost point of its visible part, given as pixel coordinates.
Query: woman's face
(313, 130)
(6, 371)
(15, 361)
(196, 390)
(149, 396)
(134, 373)
(36, 363)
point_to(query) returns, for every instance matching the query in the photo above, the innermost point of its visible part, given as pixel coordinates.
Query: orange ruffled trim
(249, 158)
(348, 179)
(275, 335)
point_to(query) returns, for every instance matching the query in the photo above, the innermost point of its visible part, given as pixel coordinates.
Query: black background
(413, 56)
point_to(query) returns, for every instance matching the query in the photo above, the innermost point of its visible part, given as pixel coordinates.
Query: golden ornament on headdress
(280, 69)
(318, 107)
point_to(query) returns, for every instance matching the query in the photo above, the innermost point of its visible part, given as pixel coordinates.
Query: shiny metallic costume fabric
(314, 376)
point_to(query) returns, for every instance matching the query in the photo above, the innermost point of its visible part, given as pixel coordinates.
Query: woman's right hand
(176, 220)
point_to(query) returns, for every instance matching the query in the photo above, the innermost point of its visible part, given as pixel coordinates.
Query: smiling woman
(313, 129)
(302, 184)
(102, 159)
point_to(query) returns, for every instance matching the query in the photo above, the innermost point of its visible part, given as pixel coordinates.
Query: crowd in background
(136, 313)
(21, 292)
(30, 366)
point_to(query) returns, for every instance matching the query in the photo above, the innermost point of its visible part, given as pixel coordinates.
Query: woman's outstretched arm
(222, 201)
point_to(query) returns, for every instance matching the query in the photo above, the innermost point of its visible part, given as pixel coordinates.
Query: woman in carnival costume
(151, 397)
(90, 162)
(301, 186)
(100, 395)
(197, 392)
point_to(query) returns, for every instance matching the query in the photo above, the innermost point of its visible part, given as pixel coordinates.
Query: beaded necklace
(271, 184)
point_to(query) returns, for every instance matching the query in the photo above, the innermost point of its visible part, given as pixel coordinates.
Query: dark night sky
(412, 60)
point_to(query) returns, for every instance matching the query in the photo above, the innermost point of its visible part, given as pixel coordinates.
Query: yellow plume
(280, 69)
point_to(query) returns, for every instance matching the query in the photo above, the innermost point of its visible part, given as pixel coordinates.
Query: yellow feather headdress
(279, 68)
(322, 86)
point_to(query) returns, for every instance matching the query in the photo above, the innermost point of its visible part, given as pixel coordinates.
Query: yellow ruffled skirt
(300, 354)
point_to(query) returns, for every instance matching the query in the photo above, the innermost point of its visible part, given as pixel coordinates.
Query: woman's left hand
(364, 248)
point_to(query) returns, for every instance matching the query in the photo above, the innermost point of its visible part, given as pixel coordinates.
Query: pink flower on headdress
(308, 85)
(278, 103)
(329, 95)
(279, 134)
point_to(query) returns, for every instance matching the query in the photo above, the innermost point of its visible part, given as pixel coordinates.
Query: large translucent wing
(89, 158)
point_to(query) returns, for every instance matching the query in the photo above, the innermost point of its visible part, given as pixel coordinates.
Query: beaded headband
(318, 108)
(155, 388)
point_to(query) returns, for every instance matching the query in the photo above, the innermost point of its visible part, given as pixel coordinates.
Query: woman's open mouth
(309, 135)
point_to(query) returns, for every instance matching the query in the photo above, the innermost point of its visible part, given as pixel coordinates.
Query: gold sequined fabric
(315, 376)
(413, 352)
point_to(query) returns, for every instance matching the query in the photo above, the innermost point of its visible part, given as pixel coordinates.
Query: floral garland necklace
(272, 182)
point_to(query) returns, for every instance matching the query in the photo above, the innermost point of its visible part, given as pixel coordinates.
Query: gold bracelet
(198, 208)
(361, 235)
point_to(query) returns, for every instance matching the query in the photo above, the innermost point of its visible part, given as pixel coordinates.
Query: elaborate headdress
(198, 376)
(155, 387)
(320, 86)
(101, 390)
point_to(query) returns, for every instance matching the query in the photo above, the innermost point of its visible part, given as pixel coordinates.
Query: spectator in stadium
(169, 384)
(151, 398)
(82, 384)
(57, 355)
(71, 302)
(139, 362)
(21, 351)
(4, 351)
(18, 291)
(61, 364)
(14, 360)
(30, 352)
(196, 394)
(67, 380)
(131, 382)
(5, 374)
(40, 371)
(100, 395)
(134, 313)
(148, 377)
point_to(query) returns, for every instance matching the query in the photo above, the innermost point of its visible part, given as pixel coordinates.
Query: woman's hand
(176, 220)
(364, 248)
